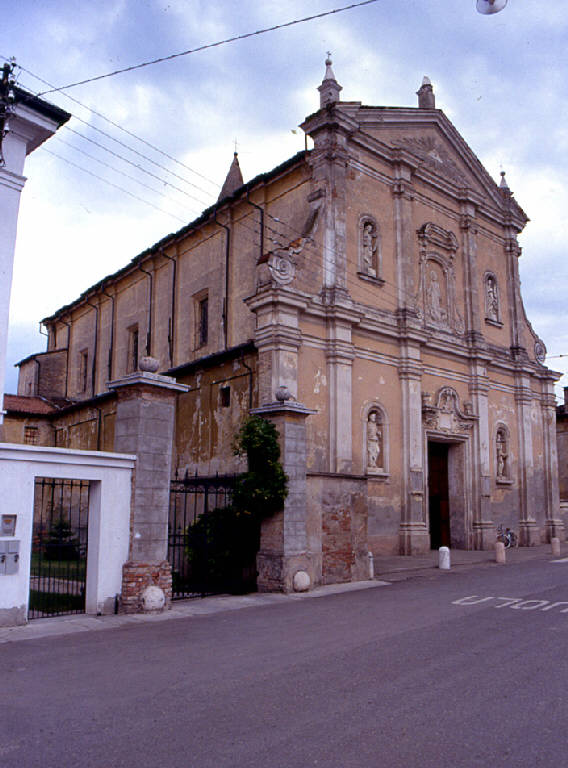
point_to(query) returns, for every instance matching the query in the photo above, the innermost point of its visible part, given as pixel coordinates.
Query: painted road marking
(517, 603)
(563, 560)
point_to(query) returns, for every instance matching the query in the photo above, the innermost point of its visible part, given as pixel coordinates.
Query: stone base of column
(484, 535)
(414, 539)
(554, 529)
(276, 571)
(137, 577)
(529, 533)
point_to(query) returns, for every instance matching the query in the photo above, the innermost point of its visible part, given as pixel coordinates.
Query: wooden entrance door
(438, 495)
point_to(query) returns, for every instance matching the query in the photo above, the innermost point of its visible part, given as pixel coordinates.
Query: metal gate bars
(59, 547)
(190, 498)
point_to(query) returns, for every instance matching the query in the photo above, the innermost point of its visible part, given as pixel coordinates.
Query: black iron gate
(188, 548)
(59, 547)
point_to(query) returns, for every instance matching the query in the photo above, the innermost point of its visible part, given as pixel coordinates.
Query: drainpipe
(111, 346)
(149, 333)
(258, 207)
(95, 350)
(68, 348)
(172, 328)
(249, 369)
(226, 297)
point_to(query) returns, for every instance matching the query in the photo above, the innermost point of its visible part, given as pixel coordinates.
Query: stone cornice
(11, 180)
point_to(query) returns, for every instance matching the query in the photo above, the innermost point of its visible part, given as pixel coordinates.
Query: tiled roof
(24, 404)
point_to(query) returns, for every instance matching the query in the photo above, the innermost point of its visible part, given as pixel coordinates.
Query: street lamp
(490, 6)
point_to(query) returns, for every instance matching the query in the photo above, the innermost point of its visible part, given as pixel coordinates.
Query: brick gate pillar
(284, 542)
(144, 425)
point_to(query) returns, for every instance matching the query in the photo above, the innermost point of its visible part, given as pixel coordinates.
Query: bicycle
(507, 537)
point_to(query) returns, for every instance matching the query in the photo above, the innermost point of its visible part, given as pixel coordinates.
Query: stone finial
(282, 394)
(234, 179)
(503, 184)
(426, 98)
(148, 364)
(329, 89)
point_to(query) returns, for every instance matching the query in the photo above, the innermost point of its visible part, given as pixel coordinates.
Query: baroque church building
(373, 284)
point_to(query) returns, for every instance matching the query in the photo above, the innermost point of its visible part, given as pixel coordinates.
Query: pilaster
(483, 527)
(413, 533)
(404, 235)
(278, 339)
(529, 534)
(284, 546)
(469, 249)
(554, 525)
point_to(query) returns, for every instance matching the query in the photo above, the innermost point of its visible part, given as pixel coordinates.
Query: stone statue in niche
(369, 248)
(434, 297)
(491, 299)
(374, 439)
(502, 455)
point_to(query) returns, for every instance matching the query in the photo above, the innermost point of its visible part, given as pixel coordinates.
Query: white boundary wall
(109, 519)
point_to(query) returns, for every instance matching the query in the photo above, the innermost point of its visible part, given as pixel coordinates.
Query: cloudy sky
(94, 200)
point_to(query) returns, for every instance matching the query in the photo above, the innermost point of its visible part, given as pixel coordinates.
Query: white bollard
(500, 556)
(555, 544)
(371, 566)
(444, 559)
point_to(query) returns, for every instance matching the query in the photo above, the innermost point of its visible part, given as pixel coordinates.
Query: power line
(129, 133)
(110, 183)
(210, 45)
(111, 167)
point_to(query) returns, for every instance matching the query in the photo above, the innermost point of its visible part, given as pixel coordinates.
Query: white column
(31, 123)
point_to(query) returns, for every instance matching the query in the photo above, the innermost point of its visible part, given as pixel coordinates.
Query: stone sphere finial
(283, 393)
(148, 364)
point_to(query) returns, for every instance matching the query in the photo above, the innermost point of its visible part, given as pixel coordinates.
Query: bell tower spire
(330, 88)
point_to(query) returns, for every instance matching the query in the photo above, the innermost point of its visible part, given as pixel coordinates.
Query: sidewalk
(387, 571)
(399, 567)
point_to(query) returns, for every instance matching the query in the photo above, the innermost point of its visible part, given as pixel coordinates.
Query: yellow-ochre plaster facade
(376, 278)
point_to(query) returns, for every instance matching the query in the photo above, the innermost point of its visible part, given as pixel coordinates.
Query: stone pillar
(483, 527)
(144, 426)
(284, 546)
(414, 536)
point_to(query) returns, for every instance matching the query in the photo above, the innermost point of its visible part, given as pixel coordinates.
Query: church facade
(374, 280)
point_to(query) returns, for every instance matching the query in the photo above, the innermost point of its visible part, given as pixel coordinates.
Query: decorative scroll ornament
(282, 267)
(540, 351)
(446, 415)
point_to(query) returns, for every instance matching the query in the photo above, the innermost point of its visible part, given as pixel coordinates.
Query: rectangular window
(225, 393)
(31, 435)
(203, 319)
(83, 370)
(132, 361)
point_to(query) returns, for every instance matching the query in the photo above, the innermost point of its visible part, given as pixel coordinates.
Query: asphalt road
(413, 674)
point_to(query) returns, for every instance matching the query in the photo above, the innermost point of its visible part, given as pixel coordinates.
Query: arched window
(492, 304)
(369, 248)
(375, 453)
(502, 457)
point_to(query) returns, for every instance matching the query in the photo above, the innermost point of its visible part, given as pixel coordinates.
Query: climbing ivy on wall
(222, 545)
(261, 490)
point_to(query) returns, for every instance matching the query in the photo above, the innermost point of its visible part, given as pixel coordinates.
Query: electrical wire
(110, 183)
(133, 135)
(233, 39)
(59, 140)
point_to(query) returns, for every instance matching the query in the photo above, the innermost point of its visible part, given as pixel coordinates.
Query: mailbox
(9, 557)
(8, 525)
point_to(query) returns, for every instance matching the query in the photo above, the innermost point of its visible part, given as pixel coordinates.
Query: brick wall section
(338, 556)
(137, 576)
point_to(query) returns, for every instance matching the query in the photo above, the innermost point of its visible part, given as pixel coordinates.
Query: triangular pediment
(434, 147)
